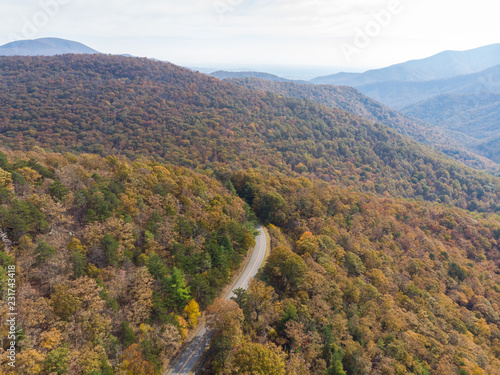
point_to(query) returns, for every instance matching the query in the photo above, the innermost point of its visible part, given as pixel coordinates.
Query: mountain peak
(444, 65)
(44, 47)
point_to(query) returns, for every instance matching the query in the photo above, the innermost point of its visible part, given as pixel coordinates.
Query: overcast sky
(352, 34)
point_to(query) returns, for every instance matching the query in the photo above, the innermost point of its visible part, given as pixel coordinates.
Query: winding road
(193, 352)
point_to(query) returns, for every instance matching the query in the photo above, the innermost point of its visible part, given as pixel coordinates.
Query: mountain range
(129, 192)
(454, 92)
(466, 106)
(351, 100)
(446, 64)
(177, 115)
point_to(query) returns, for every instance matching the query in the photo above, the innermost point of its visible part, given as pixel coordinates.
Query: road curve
(191, 355)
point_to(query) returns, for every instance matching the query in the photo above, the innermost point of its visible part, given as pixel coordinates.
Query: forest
(129, 194)
(115, 259)
(351, 100)
(112, 105)
(357, 284)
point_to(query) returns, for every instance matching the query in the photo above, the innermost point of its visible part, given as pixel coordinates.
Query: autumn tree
(139, 297)
(354, 264)
(6, 180)
(285, 268)
(78, 256)
(192, 313)
(51, 339)
(225, 319)
(260, 306)
(307, 244)
(133, 362)
(56, 361)
(64, 303)
(30, 361)
(254, 358)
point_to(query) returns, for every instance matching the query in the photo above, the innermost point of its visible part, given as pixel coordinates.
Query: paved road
(188, 360)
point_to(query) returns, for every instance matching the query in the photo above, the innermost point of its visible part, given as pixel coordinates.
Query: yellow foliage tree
(129, 202)
(51, 339)
(30, 361)
(29, 174)
(25, 243)
(89, 358)
(307, 244)
(255, 358)
(477, 370)
(483, 328)
(378, 278)
(6, 179)
(76, 246)
(192, 312)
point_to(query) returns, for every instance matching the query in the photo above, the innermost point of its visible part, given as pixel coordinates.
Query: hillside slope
(113, 259)
(351, 100)
(118, 105)
(376, 267)
(362, 285)
(467, 105)
(477, 116)
(400, 94)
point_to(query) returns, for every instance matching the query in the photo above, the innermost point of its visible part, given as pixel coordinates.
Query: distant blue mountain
(443, 65)
(44, 47)
(222, 74)
(457, 92)
(401, 94)
(477, 116)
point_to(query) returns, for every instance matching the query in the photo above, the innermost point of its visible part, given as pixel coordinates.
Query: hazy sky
(354, 34)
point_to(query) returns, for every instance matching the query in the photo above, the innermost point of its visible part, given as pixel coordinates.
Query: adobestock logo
(48, 9)
(364, 36)
(222, 7)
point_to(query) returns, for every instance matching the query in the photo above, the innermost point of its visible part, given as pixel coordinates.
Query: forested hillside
(114, 259)
(129, 190)
(466, 104)
(362, 285)
(351, 100)
(473, 117)
(118, 105)
(456, 92)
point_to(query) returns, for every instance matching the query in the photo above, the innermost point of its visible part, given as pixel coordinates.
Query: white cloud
(260, 31)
